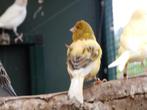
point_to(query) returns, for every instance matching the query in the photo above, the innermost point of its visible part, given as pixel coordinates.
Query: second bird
(133, 42)
(83, 58)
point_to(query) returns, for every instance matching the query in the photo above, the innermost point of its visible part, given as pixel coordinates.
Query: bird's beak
(72, 29)
(67, 46)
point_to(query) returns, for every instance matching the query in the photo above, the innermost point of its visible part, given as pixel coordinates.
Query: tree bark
(129, 94)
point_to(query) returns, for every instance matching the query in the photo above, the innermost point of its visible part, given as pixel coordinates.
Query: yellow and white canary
(133, 42)
(83, 58)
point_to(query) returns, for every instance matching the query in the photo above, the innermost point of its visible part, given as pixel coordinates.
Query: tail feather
(121, 61)
(76, 89)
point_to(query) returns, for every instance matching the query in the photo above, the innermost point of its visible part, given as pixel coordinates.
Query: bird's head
(82, 30)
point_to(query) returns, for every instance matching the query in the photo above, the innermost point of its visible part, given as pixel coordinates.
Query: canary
(83, 58)
(133, 42)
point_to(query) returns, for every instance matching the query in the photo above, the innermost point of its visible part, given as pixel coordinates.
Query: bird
(13, 17)
(133, 42)
(6, 88)
(83, 58)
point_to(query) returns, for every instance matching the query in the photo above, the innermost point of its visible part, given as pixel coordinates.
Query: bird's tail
(76, 89)
(121, 61)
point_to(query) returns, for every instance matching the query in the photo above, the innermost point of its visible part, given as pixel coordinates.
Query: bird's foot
(125, 76)
(98, 81)
(19, 38)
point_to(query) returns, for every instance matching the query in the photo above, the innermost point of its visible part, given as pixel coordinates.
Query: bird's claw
(98, 81)
(19, 38)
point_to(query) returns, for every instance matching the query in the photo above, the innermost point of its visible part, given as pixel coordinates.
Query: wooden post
(130, 94)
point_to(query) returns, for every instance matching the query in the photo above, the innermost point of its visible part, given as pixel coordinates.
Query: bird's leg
(142, 64)
(98, 81)
(18, 36)
(15, 31)
(125, 76)
(125, 72)
(144, 69)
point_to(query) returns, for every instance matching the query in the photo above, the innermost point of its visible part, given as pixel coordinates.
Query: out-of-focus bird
(6, 88)
(83, 58)
(133, 42)
(14, 17)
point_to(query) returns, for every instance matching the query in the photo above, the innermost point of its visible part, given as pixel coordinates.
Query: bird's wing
(79, 63)
(5, 82)
(10, 14)
(84, 60)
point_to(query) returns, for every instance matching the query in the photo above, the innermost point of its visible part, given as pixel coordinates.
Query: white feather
(76, 85)
(13, 16)
(76, 89)
(120, 61)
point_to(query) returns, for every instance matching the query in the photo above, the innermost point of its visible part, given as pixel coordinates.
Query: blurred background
(38, 65)
(122, 12)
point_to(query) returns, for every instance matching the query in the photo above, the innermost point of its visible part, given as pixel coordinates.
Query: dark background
(39, 64)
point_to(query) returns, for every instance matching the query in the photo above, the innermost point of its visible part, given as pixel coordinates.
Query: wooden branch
(130, 94)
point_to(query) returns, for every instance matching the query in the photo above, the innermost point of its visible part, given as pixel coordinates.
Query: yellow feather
(82, 30)
(83, 58)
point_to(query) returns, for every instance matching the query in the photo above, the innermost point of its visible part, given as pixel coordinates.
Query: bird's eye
(78, 27)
